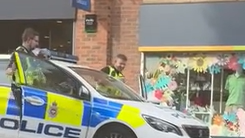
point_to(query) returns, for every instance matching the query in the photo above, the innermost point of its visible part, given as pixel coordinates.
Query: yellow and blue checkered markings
(4, 98)
(103, 110)
(72, 111)
(69, 110)
(34, 110)
(86, 113)
(29, 109)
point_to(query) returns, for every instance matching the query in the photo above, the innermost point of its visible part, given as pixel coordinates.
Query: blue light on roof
(60, 56)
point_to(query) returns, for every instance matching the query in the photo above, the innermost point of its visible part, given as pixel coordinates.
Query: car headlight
(161, 125)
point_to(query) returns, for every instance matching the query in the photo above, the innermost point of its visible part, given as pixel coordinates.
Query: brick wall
(117, 33)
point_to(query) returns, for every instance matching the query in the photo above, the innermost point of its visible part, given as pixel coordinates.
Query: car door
(9, 119)
(9, 111)
(51, 108)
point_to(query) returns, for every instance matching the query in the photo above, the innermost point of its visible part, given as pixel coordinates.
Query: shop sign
(82, 4)
(90, 23)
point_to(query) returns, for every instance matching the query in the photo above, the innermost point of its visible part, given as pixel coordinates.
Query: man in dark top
(116, 69)
(30, 40)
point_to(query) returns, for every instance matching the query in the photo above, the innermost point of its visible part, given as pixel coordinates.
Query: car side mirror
(83, 92)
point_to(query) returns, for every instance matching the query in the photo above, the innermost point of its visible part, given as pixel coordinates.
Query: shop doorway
(54, 34)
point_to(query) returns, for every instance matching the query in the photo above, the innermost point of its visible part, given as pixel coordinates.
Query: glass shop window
(165, 79)
(209, 86)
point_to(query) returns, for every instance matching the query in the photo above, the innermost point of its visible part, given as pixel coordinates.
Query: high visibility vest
(17, 77)
(31, 73)
(115, 75)
(107, 89)
(112, 90)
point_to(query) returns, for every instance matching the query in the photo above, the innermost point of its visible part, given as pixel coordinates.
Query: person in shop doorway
(235, 85)
(116, 69)
(30, 40)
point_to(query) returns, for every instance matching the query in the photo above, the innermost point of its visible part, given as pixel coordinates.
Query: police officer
(30, 40)
(116, 69)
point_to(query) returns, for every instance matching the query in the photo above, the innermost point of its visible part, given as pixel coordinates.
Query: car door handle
(34, 100)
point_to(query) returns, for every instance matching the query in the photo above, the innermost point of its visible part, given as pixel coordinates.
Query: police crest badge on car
(53, 110)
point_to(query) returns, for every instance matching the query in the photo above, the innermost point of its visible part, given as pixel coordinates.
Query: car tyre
(115, 132)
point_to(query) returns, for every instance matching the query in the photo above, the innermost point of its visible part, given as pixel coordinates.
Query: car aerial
(55, 98)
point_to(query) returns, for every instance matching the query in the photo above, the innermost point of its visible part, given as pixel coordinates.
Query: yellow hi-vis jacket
(32, 74)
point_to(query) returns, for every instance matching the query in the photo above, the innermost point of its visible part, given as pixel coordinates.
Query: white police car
(70, 105)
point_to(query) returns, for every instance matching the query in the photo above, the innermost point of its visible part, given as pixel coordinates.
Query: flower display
(166, 85)
(223, 59)
(158, 94)
(167, 98)
(199, 63)
(213, 60)
(231, 117)
(148, 87)
(181, 66)
(241, 60)
(241, 120)
(217, 120)
(214, 69)
(172, 85)
(213, 63)
(162, 82)
(167, 68)
(172, 71)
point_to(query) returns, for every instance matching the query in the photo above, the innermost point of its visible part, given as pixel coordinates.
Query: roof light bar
(63, 57)
(59, 56)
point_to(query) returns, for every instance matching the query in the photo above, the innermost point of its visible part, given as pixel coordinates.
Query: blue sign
(82, 4)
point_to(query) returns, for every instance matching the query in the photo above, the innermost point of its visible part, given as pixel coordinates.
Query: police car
(69, 105)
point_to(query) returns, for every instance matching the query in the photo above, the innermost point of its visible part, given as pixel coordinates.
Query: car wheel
(117, 131)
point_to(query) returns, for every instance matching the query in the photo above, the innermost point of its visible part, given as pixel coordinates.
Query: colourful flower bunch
(201, 62)
(162, 89)
(160, 85)
(232, 123)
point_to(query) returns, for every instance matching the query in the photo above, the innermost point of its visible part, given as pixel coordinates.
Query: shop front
(193, 60)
